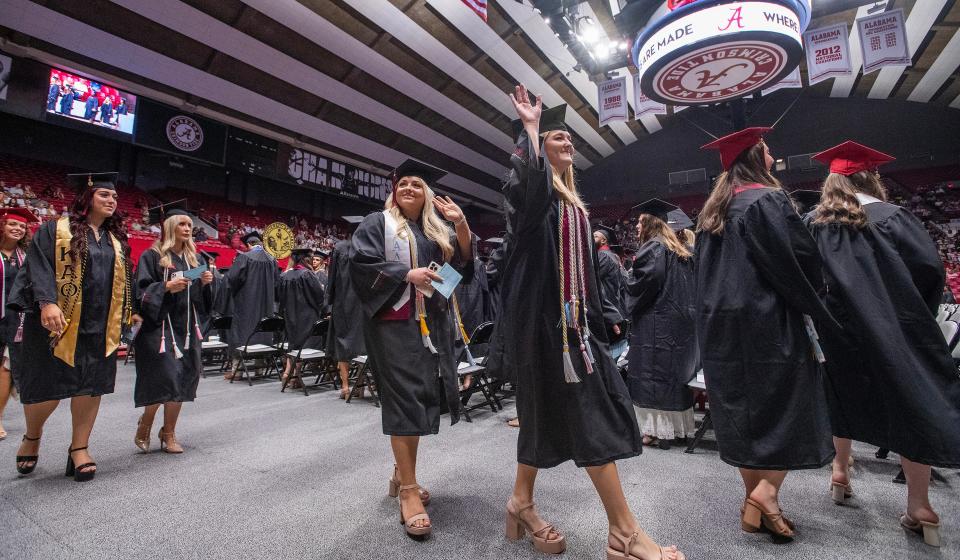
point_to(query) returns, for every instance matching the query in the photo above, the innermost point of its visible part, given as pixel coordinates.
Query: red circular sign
(720, 72)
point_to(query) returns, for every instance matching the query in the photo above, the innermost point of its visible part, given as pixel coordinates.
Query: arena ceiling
(376, 81)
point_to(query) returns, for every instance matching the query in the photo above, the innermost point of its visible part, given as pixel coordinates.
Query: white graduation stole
(396, 249)
(866, 199)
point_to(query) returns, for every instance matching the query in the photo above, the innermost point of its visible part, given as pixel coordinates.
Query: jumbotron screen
(90, 101)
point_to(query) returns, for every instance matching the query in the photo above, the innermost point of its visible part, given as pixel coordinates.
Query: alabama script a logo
(734, 17)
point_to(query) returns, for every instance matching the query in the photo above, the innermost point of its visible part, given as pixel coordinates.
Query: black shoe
(27, 459)
(664, 443)
(76, 471)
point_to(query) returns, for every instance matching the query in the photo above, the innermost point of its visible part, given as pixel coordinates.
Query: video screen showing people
(88, 100)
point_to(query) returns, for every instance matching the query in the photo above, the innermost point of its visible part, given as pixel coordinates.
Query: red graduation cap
(19, 214)
(849, 158)
(732, 145)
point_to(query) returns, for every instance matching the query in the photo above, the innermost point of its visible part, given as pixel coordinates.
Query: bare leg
(84, 410)
(918, 484)
(36, 416)
(5, 386)
(405, 454)
(149, 413)
(344, 368)
(171, 412)
(621, 520)
(763, 487)
(841, 463)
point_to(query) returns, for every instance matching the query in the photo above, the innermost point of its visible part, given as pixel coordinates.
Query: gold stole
(70, 295)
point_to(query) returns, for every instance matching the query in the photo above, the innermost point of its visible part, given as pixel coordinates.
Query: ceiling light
(546, 20)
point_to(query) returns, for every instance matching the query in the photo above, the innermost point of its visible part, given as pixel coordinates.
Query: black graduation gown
(663, 352)
(39, 374)
(611, 277)
(494, 274)
(755, 282)
(891, 380)
(474, 299)
(301, 304)
(413, 382)
(253, 281)
(206, 315)
(11, 319)
(591, 422)
(345, 336)
(169, 320)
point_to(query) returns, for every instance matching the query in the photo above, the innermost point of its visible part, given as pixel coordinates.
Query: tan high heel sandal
(517, 527)
(753, 517)
(142, 438)
(408, 524)
(169, 440)
(627, 544)
(930, 531)
(394, 490)
(840, 492)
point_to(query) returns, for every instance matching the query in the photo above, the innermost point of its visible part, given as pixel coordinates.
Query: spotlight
(546, 20)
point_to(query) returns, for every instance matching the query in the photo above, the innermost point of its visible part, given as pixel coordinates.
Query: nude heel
(517, 528)
(514, 530)
(840, 492)
(408, 524)
(930, 531)
(394, 489)
(750, 517)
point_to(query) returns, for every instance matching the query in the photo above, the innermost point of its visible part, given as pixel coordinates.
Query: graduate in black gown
(891, 380)
(661, 295)
(168, 343)
(551, 336)
(613, 283)
(758, 274)
(300, 295)
(216, 286)
(473, 297)
(252, 280)
(410, 334)
(14, 241)
(345, 335)
(75, 291)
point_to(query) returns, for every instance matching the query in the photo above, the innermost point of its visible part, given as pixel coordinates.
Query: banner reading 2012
(828, 53)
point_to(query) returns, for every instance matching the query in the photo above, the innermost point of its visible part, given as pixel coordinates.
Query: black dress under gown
(301, 304)
(591, 422)
(345, 335)
(413, 382)
(755, 281)
(891, 380)
(663, 352)
(39, 374)
(253, 281)
(171, 323)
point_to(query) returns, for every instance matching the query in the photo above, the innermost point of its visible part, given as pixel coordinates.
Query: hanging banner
(5, 63)
(613, 100)
(643, 105)
(883, 40)
(828, 53)
(792, 80)
(177, 132)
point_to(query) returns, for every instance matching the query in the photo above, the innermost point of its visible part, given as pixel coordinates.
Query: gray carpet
(271, 475)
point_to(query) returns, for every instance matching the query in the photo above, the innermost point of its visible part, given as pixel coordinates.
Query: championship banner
(177, 132)
(5, 63)
(613, 100)
(883, 40)
(643, 105)
(793, 80)
(828, 53)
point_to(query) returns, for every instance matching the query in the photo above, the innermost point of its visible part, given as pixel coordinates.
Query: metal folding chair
(481, 382)
(267, 352)
(304, 357)
(363, 377)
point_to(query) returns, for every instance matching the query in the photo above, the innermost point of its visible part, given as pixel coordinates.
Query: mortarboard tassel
(569, 374)
(163, 341)
(470, 358)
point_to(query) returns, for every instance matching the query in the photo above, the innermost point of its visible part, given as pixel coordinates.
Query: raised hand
(529, 114)
(448, 209)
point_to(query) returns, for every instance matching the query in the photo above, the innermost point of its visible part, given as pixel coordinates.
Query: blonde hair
(565, 184)
(168, 240)
(749, 167)
(652, 226)
(433, 225)
(839, 203)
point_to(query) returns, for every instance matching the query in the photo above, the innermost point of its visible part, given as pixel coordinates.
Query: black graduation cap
(678, 220)
(414, 168)
(553, 118)
(806, 200)
(301, 253)
(158, 214)
(608, 232)
(81, 181)
(656, 207)
(252, 235)
(321, 253)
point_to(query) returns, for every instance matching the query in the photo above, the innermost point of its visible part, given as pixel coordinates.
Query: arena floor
(271, 475)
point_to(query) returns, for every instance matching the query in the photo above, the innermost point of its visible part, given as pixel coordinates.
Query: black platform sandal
(76, 471)
(27, 459)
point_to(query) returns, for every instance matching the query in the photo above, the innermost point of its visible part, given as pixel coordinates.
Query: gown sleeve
(376, 280)
(647, 276)
(154, 300)
(330, 288)
(529, 188)
(919, 253)
(785, 254)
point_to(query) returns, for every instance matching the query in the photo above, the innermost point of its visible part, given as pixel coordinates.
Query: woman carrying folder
(172, 295)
